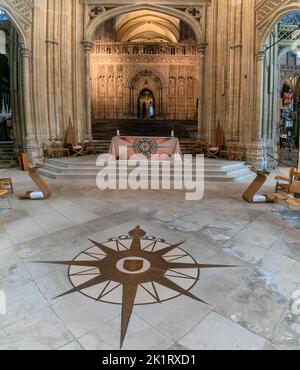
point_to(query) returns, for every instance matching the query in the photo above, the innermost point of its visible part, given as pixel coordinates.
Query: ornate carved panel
(265, 11)
(20, 11)
(119, 75)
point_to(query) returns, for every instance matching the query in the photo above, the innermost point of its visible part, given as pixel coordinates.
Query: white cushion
(36, 195)
(259, 199)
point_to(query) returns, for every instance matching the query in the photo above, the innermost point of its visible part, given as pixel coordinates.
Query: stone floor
(250, 306)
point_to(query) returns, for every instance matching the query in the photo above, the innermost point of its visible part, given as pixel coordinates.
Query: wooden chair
(290, 199)
(284, 183)
(4, 193)
(6, 184)
(71, 140)
(45, 189)
(213, 152)
(76, 150)
(251, 194)
(46, 151)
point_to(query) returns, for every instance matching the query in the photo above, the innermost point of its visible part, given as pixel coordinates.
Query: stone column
(259, 94)
(31, 145)
(201, 127)
(87, 47)
(258, 155)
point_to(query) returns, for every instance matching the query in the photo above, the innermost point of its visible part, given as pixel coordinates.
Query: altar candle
(118, 133)
(172, 133)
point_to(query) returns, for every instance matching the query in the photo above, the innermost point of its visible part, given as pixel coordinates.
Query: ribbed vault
(147, 26)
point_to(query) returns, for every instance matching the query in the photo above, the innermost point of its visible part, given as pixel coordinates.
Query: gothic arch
(106, 15)
(274, 19)
(15, 19)
(284, 51)
(140, 71)
(135, 84)
(20, 14)
(268, 14)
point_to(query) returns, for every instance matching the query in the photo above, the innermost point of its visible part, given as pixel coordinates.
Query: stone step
(232, 171)
(91, 176)
(8, 164)
(85, 168)
(106, 129)
(7, 155)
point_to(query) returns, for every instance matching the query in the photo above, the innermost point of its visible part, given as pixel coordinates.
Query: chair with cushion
(45, 190)
(6, 184)
(284, 183)
(76, 150)
(71, 140)
(213, 152)
(289, 199)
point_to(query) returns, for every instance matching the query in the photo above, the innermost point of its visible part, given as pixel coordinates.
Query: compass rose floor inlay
(132, 270)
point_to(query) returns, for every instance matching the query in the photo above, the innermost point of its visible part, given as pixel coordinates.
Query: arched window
(2, 42)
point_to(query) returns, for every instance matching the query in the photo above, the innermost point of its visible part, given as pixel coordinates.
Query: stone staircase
(86, 169)
(7, 155)
(105, 130)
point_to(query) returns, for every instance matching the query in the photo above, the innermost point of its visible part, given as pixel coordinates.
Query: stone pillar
(258, 155)
(257, 126)
(202, 133)
(87, 47)
(31, 145)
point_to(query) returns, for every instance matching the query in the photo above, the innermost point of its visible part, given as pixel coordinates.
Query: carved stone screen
(125, 69)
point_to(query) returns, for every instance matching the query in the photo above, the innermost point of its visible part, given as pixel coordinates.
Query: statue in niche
(190, 85)
(144, 110)
(101, 85)
(181, 86)
(172, 86)
(111, 87)
(152, 111)
(120, 86)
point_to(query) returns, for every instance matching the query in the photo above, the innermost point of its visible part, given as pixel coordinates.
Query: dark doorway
(146, 105)
(5, 111)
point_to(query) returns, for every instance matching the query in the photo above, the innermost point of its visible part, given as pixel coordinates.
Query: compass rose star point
(101, 271)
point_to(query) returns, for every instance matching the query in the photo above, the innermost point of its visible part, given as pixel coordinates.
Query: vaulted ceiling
(147, 26)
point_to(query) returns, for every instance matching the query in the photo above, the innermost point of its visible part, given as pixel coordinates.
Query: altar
(137, 148)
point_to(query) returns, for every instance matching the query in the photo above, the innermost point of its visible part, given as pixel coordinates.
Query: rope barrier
(278, 161)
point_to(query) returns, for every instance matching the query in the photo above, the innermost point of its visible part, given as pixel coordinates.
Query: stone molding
(267, 12)
(20, 12)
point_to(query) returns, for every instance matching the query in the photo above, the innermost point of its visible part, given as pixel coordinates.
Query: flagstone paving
(249, 306)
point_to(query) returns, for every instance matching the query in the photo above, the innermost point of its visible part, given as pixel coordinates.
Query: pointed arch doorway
(146, 104)
(278, 114)
(15, 119)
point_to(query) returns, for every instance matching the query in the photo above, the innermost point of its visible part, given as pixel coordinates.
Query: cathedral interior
(216, 81)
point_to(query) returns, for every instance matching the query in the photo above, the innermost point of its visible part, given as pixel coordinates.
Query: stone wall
(57, 40)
